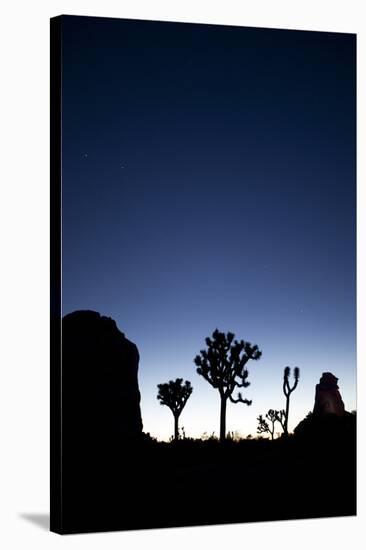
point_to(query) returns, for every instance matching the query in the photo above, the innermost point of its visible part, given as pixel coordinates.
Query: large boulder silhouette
(100, 392)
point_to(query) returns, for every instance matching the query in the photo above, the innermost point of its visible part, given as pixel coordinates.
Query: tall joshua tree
(222, 364)
(287, 390)
(175, 394)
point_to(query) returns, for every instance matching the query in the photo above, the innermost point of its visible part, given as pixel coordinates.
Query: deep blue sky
(209, 180)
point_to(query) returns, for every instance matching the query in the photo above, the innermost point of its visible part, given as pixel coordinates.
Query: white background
(24, 272)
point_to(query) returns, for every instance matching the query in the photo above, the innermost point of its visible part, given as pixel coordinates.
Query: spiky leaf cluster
(222, 364)
(287, 389)
(174, 394)
(272, 415)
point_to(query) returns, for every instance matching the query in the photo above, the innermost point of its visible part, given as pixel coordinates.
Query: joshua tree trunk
(273, 428)
(285, 428)
(176, 431)
(223, 419)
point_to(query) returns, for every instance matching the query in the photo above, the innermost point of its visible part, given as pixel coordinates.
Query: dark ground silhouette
(115, 477)
(152, 485)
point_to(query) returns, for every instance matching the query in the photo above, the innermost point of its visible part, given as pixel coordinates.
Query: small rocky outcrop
(327, 397)
(329, 422)
(100, 392)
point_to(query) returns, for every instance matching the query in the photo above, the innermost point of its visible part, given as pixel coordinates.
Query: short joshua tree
(175, 394)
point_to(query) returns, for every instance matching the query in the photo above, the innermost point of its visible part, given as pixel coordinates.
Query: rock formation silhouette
(100, 392)
(327, 397)
(329, 422)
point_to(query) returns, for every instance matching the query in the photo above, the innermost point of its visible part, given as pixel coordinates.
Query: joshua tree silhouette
(223, 366)
(263, 426)
(175, 394)
(287, 390)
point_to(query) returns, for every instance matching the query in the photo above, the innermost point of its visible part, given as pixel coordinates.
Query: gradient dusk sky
(209, 180)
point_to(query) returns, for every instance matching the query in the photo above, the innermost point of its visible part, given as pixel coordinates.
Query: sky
(209, 181)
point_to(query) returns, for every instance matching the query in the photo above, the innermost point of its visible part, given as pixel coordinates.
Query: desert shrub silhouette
(175, 394)
(264, 427)
(223, 366)
(281, 418)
